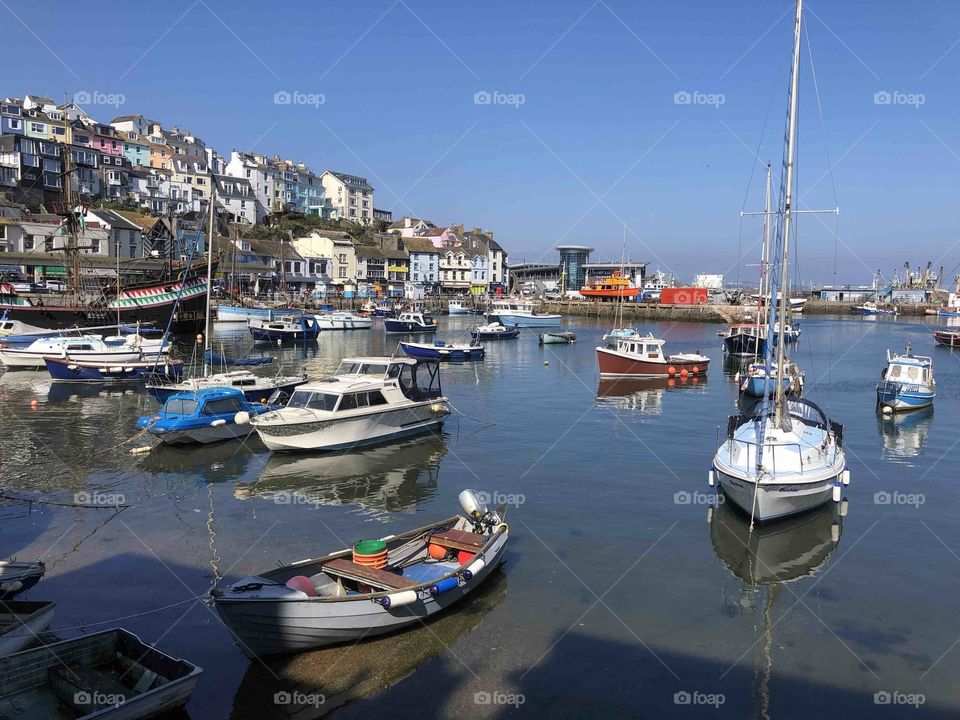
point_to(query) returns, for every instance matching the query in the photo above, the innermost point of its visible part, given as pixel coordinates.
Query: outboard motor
(476, 509)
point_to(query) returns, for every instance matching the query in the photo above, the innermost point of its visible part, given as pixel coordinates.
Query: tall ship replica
(177, 290)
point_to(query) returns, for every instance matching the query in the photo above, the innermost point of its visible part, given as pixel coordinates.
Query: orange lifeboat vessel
(614, 287)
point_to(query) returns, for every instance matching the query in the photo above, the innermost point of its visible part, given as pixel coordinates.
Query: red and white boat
(947, 338)
(642, 356)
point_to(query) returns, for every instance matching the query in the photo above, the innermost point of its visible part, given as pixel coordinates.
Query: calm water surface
(623, 586)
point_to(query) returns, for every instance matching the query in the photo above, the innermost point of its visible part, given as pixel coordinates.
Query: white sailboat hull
(778, 500)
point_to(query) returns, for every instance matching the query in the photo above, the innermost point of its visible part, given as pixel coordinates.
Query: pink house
(105, 139)
(442, 238)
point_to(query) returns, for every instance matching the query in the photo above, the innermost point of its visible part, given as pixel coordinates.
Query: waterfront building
(573, 258)
(350, 197)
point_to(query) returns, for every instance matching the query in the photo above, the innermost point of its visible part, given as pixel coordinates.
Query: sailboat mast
(206, 330)
(765, 259)
(788, 213)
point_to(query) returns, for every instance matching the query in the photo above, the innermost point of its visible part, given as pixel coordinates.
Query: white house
(125, 238)
(236, 195)
(264, 179)
(349, 197)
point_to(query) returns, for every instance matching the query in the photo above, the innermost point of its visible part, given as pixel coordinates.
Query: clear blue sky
(598, 137)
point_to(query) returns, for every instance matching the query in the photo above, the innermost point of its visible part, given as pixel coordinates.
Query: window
(219, 407)
(133, 246)
(30, 160)
(15, 124)
(342, 273)
(95, 246)
(57, 130)
(28, 242)
(342, 257)
(38, 127)
(48, 243)
(179, 406)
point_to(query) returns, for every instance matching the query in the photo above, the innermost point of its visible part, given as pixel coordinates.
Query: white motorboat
(520, 313)
(368, 400)
(343, 321)
(458, 307)
(83, 348)
(787, 457)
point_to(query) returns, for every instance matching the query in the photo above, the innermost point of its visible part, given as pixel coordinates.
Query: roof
(271, 248)
(370, 251)
(122, 118)
(115, 219)
(144, 222)
(348, 179)
(420, 245)
(393, 254)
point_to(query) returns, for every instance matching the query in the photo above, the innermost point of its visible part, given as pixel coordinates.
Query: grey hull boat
(330, 600)
(557, 338)
(15, 577)
(21, 622)
(110, 675)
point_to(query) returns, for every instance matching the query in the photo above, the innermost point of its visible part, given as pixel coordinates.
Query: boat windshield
(179, 406)
(313, 400)
(352, 368)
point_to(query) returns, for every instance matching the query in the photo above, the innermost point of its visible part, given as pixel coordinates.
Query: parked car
(24, 287)
(58, 286)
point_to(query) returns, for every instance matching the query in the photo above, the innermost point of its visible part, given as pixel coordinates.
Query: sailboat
(787, 457)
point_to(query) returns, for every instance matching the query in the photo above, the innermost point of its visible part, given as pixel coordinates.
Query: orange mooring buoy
(34, 404)
(671, 371)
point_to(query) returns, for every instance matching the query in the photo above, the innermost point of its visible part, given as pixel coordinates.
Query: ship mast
(206, 329)
(779, 403)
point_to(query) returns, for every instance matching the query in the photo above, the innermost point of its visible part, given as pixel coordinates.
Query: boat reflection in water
(387, 478)
(645, 395)
(764, 561)
(214, 463)
(904, 435)
(344, 673)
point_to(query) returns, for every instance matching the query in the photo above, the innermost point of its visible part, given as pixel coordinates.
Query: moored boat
(642, 356)
(255, 388)
(745, 339)
(68, 370)
(458, 307)
(557, 338)
(201, 416)
(614, 336)
(871, 308)
(410, 323)
(907, 382)
(755, 381)
(86, 347)
(343, 321)
(947, 338)
(18, 576)
(237, 313)
(287, 328)
(109, 675)
(440, 350)
(368, 400)
(21, 622)
(344, 596)
(614, 287)
(494, 331)
(520, 313)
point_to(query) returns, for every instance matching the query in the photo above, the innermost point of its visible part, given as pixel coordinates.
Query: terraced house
(350, 197)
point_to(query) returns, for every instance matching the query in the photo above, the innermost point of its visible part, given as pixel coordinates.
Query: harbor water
(628, 590)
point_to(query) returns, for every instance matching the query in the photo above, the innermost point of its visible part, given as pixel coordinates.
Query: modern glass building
(573, 259)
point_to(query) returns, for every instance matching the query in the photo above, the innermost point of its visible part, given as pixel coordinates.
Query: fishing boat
(109, 675)
(376, 587)
(235, 313)
(285, 329)
(557, 338)
(440, 350)
(642, 356)
(952, 308)
(871, 308)
(745, 340)
(155, 369)
(202, 416)
(368, 400)
(385, 309)
(494, 331)
(907, 382)
(786, 457)
(16, 577)
(947, 338)
(343, 321)
(757, 382)
(409, 323)
(86, 347)
(21, 622)
(614, 287)
(458, 307)
(520, 313)
(255, 388)
(654, 287)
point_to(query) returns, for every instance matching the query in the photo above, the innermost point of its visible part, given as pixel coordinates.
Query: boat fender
(845, 477)
(837, 493)
(398, 599)
(242, 418)
(218, 423)
(71, 367)
(835, 532)
(444, 586)
(711, 478)
(474, 567)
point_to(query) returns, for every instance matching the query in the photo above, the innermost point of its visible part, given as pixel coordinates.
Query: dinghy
(15, 577)
(202, 416)
(110, 675)
(21, 622)
(398, 582)
(440, 350)
(557, 338)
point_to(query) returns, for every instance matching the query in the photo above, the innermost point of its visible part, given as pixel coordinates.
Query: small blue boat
(202, 416)
(440, 350)
(410, 322)
(755, 381)
(907, 384)
(296, 329)
(494, 331)
(138, 371)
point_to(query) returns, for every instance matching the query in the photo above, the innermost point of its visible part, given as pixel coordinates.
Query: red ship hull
(615, 364)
